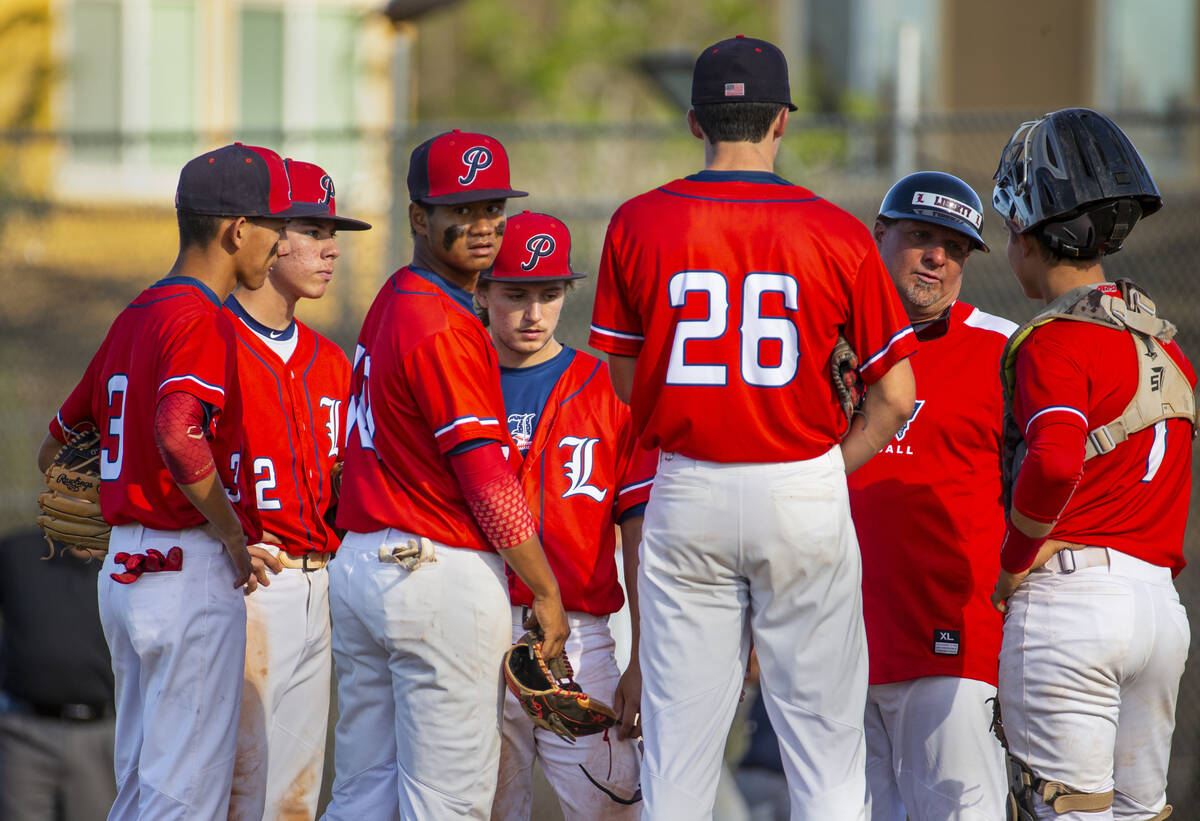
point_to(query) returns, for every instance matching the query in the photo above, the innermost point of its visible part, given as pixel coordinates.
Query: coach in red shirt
(1101, 401)
(929, 518)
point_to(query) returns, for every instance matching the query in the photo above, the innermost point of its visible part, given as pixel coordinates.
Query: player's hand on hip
(627, 702)
(1006, 585)
(262, 560)
(548, 618)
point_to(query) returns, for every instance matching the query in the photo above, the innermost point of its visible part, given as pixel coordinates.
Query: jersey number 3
(755, 329)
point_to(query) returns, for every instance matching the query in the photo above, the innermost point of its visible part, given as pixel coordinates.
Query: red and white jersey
(172, 337)
(929, 511)
(583, 471)
(730, 289)
(294, 432)
(1135, 498)
(425, 379)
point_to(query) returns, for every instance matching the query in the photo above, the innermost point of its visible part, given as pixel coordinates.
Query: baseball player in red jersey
(719, 302)
(582, 473)
(928, 514)
(297, 382)
(1094, 634)
(418, 595)
(163, 392)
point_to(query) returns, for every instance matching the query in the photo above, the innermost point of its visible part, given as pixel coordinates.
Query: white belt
(1119, 564)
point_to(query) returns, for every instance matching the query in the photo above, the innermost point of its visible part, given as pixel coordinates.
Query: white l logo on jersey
(579, 467)
(331, 427)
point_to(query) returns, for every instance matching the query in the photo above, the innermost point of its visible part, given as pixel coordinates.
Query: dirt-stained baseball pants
(178, 643)
(1089, 677)
(613, 763)
(730, 550)
(418, 659)
(285, 698)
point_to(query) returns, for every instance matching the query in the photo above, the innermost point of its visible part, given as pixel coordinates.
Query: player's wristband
(1019, 550)
(493, 495)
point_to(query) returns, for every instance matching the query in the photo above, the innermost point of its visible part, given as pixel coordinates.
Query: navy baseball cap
(234, 181)
(458, 167)
(313, 196)
(741, 70)
(536, 248)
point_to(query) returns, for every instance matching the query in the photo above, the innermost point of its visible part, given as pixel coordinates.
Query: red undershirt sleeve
(493, 495)
(179, 433)
(1049, 475)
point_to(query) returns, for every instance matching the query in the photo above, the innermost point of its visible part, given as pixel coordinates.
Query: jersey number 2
(753, 330)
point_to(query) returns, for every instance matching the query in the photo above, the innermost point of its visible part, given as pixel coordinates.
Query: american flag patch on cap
(735, 89)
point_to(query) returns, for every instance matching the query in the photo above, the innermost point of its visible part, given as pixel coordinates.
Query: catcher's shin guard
(1024, 786)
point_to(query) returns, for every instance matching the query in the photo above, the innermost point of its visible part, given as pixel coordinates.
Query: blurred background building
(101, 101)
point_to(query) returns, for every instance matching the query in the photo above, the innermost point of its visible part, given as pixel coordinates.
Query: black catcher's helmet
(943, 199)
(1074, 175)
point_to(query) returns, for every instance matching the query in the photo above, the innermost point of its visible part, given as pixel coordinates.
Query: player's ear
(694, 125)
(878, 231)
(780, 123)
(233, 233)
(418, 219)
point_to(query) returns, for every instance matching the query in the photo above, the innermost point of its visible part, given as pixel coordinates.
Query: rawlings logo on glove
(548, 692)
(71, 507)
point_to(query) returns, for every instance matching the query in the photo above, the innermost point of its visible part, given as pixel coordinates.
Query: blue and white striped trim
(464, 420)
(1055, 409)
(890, 344)
(634, 486)
(190, 378)
(617, 334)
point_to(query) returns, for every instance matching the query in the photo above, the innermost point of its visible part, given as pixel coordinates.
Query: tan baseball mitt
(71, 506)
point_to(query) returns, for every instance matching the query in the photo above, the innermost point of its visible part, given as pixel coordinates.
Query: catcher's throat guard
(548, 693)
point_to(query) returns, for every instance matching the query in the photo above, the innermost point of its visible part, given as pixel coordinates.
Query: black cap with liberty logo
(741, 70)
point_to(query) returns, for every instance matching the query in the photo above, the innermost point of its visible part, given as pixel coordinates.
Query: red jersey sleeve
(77, 410)
(458, 390)
(636, 475)
(878, 329)
(198, 359)
(616, 326)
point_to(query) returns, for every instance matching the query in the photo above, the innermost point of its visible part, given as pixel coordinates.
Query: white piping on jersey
(464, 420)
(190, 378)
(899, 335)
(1052, 409)
(990, 322)
(617, 334)
(634, 486)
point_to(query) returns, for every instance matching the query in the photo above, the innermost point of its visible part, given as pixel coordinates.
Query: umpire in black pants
(56, 686)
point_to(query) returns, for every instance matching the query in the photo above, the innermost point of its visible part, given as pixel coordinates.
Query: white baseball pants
(930, 753)
(1089, 676)
(178, 643)
(285, 698)
(613, 763)
(769, 550)
(418, 659)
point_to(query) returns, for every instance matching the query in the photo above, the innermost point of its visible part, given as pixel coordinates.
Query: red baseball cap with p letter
(313, 196)
(741, 70)
(458, 167)
(234, 181)
(536, 248)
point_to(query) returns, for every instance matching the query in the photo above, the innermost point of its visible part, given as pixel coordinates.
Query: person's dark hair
(736, 122)
(196, 229)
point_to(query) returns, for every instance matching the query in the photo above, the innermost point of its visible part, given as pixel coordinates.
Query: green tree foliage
(565, 60)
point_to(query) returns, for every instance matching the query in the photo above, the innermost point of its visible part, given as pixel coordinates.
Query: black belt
(73, 711)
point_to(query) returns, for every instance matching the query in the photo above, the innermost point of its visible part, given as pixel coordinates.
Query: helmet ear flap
(1093, 233)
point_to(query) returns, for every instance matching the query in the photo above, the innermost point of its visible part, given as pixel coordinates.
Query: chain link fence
(70, 259)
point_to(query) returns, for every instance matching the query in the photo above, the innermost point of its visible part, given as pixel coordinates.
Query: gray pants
(55, 770)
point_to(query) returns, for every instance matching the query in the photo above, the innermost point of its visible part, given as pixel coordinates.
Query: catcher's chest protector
(1163, 390)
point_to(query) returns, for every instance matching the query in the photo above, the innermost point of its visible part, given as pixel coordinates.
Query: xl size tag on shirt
(945, 642)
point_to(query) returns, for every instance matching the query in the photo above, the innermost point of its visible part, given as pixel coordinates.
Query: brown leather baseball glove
(71, 507)
(843, 371)
(548, 693)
